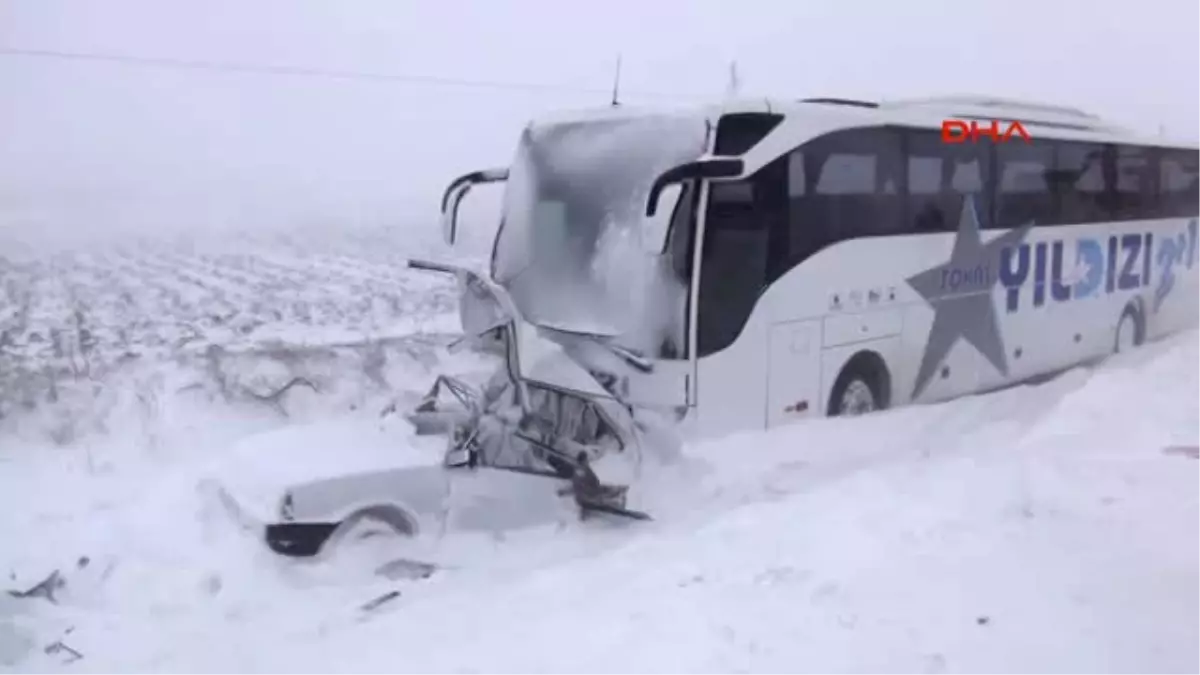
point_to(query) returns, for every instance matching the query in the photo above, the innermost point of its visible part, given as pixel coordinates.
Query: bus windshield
(569, 249)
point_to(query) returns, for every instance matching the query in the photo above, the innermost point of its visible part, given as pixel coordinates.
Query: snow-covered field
(1043, 528)
(81, 329)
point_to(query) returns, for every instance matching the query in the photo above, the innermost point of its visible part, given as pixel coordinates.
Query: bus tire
(1131, 329)
(862, 387)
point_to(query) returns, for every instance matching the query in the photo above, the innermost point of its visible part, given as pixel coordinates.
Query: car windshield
(569, 249)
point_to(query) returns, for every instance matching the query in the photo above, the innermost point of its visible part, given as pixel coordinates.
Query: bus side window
(1024, 174)
(845, 185)
(1179, 185)
(681, 232)
(940, 177)
(1078, 182)
(1134, 194)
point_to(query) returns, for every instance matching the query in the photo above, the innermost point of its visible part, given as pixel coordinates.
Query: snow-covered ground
(82, 329)
(1041, 528)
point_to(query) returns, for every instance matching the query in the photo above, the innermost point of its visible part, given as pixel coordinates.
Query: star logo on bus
(960, 293)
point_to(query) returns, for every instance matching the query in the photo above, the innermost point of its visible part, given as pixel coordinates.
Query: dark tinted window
(738, 132)
(1078, 182)
(1178, 184)
(844, 185)
(741, 253)
(1023, 184)
(1133, 195)
(940, 176)
(678, 251)
(682, 231)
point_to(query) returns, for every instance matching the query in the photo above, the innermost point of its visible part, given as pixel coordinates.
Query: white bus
(834, 257)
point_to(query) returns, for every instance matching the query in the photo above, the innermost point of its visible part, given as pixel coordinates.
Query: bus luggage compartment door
(794, 375)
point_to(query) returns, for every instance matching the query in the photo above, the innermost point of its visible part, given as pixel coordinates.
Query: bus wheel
(1129, 330)
(861, 387)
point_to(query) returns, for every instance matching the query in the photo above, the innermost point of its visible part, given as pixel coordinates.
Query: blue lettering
(1126, 263)
(1058, 290)
(1039, 275)
(1180, 250)
(1110, 276)
(1013, 279)
(1147, 247)
(1132, 244)
(1168, 254)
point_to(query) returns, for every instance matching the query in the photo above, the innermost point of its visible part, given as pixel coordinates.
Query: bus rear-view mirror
(454, 194)
(722, 167)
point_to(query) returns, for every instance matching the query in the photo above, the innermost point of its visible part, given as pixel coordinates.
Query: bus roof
(1041, 119)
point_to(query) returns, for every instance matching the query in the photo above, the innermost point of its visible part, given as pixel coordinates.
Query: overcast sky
(91, 145)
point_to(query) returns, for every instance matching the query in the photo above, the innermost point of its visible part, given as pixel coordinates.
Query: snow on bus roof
(608, 113)
(1058, 121)
(1051, 120)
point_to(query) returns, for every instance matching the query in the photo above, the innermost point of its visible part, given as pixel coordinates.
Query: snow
(598, 271)
(1041, 528)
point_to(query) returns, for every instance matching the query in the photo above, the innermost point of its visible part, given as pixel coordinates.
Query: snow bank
(1041, 528)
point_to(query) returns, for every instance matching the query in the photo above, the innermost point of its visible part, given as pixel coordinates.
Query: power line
(299, 71)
